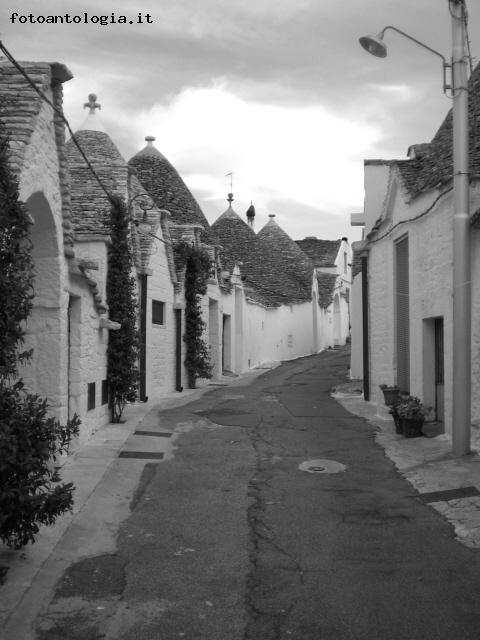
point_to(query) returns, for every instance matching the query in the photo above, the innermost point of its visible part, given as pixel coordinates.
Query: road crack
(266, 618)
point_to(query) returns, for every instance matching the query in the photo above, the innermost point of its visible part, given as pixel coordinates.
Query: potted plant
(396, 419)
(412, 414)
(391, 394)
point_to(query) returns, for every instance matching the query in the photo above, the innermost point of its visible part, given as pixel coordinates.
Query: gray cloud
(284, 52)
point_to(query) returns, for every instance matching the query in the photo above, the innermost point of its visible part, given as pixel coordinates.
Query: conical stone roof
(163, 183)
(285, 269)
(239, 246)
(274, 269)
(89, 202)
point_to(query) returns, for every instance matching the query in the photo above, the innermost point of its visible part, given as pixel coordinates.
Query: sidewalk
(105, 486)
(450, 485)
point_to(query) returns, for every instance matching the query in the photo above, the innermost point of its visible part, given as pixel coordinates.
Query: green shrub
(197, 271)
(30, 442)
(123, 345)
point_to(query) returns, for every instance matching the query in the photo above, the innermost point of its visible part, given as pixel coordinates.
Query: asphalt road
(230, 540)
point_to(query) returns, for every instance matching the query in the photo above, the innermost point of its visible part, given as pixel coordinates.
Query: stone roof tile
(432, 165)
(285, 270)
(239, 245)
(237, 239)
(326, 288)
(164, 184)
(89, 203)
(274, 269)
(322, 253)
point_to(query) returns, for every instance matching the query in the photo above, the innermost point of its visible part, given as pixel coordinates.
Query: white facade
(425, 223)
(69, 325)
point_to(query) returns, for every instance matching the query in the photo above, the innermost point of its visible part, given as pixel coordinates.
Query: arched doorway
(46, 374)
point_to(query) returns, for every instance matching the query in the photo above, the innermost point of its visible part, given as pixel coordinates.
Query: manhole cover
(322, 466)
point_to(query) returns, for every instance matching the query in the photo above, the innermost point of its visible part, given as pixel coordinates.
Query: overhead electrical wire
(59, 112)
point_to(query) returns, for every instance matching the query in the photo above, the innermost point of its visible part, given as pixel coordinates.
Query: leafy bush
(30, 441)
(123, 345)
(412, 408)
(30, 493)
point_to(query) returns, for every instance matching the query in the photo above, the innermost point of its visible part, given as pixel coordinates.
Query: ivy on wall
(123, 345)
(30, 490)
(197, 265)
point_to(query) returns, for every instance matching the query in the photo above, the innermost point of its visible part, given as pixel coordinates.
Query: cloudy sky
(278, 92)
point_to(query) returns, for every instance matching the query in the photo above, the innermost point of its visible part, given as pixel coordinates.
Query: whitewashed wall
(160, 338)
(88, 341)
(47, 326)
(430, 279)
(356, 309)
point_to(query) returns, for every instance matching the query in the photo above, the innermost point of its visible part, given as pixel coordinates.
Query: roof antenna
(230, 173)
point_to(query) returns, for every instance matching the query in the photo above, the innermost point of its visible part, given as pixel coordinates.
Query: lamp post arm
(437, 53)
(446, 65)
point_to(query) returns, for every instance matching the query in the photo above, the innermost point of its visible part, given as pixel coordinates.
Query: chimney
(251, 215)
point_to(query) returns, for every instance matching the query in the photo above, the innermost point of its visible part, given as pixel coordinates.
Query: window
(104, 391)
(91, 396)
(158, 315)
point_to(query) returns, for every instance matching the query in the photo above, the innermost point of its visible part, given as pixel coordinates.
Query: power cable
(417, 217)
(59, 113)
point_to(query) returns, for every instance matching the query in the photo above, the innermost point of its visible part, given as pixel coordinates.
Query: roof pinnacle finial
(150, 140)
(271, 216)
(230, 198)
(92, 103)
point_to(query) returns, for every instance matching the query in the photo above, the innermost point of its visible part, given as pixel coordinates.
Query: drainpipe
(365, 330)
(178, 350)
(143, 337)
(461, 239)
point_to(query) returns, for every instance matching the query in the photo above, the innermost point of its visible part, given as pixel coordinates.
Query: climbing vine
(30, 490)
(123, 345)
(197, 271)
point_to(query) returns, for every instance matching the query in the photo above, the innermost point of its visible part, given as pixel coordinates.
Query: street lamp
(461, 390)
(377, 47)
(144, 226)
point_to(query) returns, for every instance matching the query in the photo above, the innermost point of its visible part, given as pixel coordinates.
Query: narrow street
(228, 539)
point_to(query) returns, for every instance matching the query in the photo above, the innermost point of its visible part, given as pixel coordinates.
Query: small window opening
(91, 396)
(158, 312)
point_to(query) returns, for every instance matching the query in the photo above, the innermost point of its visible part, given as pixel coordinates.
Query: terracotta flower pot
(391, 396)
(412, 428)
(397, 421)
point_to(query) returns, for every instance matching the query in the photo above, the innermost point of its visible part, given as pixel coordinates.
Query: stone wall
(35, 161)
